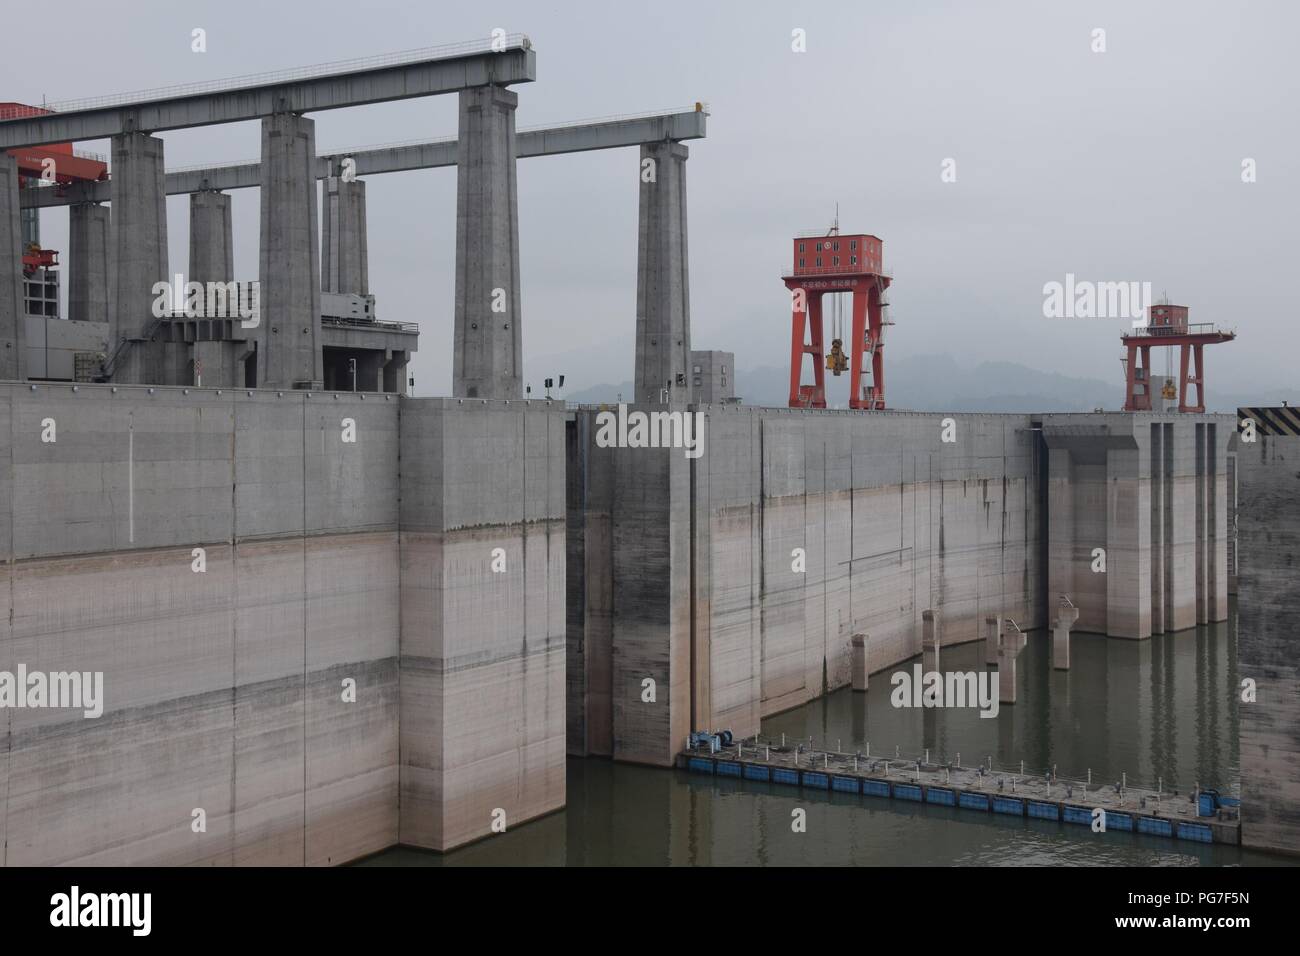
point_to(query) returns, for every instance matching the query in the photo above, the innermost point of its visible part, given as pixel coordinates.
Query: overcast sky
(1122, 165)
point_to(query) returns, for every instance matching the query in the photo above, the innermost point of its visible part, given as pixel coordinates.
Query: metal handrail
(462, 48)
(841, 270)
(370, 323)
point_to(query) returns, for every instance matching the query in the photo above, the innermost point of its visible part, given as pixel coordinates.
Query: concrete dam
(331, 618)
(230, 560)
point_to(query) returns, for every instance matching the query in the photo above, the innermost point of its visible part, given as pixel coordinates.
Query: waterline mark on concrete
(56, 689)
(1084, 299)
(651, 430)
(945, 689)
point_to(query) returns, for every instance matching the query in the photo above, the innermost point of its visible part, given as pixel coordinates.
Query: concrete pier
(212, 244)
(1008, 651)
(1268, 596)
(860, 672)
(663, 310)
(13, 326)
(289, 336)
(345, 265)
(488, 359)
(1066, 615)
(992, 638)
(138, 257)
(930, 636)
(89, 231)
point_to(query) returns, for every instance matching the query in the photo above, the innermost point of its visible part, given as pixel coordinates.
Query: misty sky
(1113, 166)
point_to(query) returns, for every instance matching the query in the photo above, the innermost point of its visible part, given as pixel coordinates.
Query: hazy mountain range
(938, 383)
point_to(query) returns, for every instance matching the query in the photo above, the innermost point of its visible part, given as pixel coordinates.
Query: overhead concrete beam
(556, 141)
(354, 87)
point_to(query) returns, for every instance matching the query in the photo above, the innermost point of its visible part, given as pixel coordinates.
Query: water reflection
(1163, 708)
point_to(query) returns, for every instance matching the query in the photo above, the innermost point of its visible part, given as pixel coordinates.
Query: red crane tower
(1166, 327)
(834, 263)
(58, 163)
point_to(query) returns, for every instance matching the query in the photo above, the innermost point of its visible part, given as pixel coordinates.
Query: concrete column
(1008, 651)
(992, 638)
(859, 661)
(1158, 510)
(1066, 615)
(343, 252)
(88, 245)
(138, 257)
(289, 334)
(488, 360)
(929, 640)
(663, 307)
(1128, 541)
(1061, 556)
(212, 246)
(13, 324)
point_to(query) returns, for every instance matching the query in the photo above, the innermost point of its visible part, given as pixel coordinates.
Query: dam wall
(1268, 606)
(235, 563)
(738, 579)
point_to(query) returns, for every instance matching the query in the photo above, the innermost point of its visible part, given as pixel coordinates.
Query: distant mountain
(937, 383)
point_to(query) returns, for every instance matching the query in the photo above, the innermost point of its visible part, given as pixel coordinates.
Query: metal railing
(516, 41)
(369, 323)
(840, 270)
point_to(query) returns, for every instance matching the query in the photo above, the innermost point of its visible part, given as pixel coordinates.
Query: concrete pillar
(488, 361)
(88, 245)
(1066, 615)
(344, 262)
(929, 641)
(212, 246)
(394, 372)
(13, 324)
(1008, 651)
(1128, 540)
(138, 256)
(992, 638)
(859, 661)
(289, 334)
(663, 308)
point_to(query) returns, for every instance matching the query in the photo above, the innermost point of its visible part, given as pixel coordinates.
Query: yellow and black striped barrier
(1274, 420)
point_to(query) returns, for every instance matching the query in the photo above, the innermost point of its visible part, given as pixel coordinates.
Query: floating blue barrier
(1081, 815)
(875, 788)
(819, 780)
(700, 765)
(1043, 811)
(1155, 827)
(1009, 805)
(845, 784)
(1195, 831)
(940, 796)
(756, 772)
(785, 776)
(973, 801)
(727, 768)
(1118, 821)
(907, 791)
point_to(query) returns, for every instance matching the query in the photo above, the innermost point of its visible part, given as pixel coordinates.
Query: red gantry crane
(835, 263)
(1167, 327)
(57, 163)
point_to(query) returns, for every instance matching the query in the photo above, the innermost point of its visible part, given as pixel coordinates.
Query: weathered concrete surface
(345, 265)
(890, 521)
(663, 294)
(488, 358)
(224, 689)
(289, 335)
(212, 244)
(1268, 629)
(88, 245)
(138, 257)
(482, 617)
(1138, 519)
(13, 330)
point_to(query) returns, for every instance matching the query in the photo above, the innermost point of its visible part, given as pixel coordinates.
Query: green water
(1163, 708)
